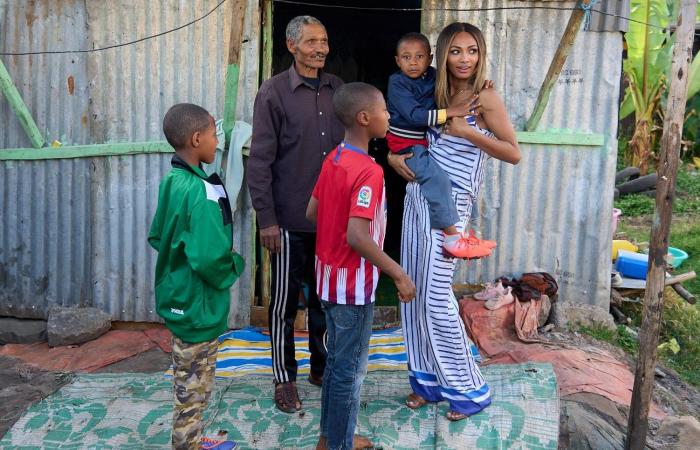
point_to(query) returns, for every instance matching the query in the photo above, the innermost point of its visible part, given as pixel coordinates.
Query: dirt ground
(590, 421)
(22, 385)
(587, 421)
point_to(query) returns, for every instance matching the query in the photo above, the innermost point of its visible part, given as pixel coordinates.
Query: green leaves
(694, 78)
(645, 40)
(671, 345)
(648, 60)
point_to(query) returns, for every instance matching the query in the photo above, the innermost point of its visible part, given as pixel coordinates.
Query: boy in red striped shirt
(349, 209)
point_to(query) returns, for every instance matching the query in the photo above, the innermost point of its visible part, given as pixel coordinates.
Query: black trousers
(293, 265)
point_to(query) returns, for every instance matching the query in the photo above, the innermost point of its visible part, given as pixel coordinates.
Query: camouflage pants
(193, 380)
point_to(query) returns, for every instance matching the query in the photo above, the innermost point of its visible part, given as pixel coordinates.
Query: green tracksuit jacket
(193, 235)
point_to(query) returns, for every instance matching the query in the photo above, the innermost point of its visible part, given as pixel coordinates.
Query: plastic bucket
(616, 213)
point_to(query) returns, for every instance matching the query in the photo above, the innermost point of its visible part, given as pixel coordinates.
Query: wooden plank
(267, 10)
(238, 10)
(258, 316)
(565, 45)
(668, 281)
(576, 139)
(20, 108)
(616, 298)
(266, 72)
(85, 151)
(638, 424)
(134, 148)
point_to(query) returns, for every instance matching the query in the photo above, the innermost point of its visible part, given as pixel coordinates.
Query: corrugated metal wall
(552, 212)
(610, 17)
(74, 231)
(54, 87)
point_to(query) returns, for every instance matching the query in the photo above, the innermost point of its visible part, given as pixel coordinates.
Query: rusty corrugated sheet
(73, 232)
(552, 212)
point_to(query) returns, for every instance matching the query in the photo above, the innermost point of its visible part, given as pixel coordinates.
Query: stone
(22, 331)
(70, 326)
(569, 315)
(681, 433)
(545, 309)
(590, 422)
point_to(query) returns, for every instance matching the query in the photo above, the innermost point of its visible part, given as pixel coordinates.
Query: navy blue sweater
(411, 104)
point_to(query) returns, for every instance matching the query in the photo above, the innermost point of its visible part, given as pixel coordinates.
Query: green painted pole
(233, 68)
(17, 104)
(232, 75)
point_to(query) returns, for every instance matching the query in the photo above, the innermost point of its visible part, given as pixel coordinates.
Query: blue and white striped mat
(247, 351)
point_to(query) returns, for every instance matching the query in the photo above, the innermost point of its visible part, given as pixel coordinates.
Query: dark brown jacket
(294, 127)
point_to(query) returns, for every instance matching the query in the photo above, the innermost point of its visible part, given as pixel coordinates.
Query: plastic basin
(677, 256)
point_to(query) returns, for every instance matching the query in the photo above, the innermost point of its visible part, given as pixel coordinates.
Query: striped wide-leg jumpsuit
(442, 360)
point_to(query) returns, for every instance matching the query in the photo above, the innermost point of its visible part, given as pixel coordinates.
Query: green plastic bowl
(677, 256)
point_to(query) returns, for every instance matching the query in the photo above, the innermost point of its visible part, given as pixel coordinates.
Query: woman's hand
(458, 126)
(398, 163)
(467, 107)
(505, 145)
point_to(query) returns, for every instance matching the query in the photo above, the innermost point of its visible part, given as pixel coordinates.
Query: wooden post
(665, 191)
(267, 43)
(238, 8)
(258, 314)
(20, 108)
(565, 45)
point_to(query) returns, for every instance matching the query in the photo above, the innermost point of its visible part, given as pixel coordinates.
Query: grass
(620, 337)
(638, 213)
(681, 321)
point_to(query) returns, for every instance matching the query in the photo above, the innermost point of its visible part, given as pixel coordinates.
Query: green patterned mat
(117, 411)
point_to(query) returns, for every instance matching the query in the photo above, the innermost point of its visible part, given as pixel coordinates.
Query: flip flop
(454, 416)
(415, 401)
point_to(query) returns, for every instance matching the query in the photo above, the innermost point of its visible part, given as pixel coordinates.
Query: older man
(294, 127)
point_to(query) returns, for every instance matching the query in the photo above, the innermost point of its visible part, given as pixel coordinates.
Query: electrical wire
(124, 44)
(345, 7)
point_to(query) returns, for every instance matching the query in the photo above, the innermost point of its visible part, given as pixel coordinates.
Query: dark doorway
(362, 44)
(362, 48)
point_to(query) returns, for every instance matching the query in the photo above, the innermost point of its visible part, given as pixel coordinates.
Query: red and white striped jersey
(351, 184)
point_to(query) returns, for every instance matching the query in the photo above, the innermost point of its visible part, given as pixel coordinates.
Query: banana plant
(646, 68)
(649, 48)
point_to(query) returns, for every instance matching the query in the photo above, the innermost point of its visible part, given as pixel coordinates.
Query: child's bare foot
(361, 442)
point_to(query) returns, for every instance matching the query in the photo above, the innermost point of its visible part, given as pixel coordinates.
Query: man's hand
(398, 163)
(270, 238)
(407, 290)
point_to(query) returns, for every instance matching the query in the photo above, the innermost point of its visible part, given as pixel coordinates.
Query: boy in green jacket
(193, 235)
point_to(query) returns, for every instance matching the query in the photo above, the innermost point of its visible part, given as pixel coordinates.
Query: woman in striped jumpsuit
(441, 357)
